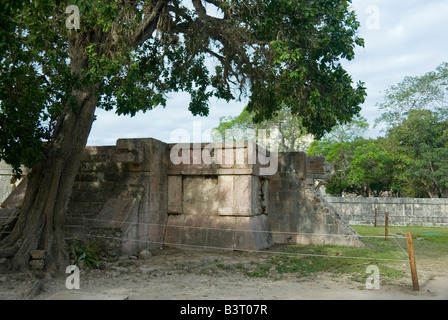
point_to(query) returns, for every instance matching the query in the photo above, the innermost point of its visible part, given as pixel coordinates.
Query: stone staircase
(120, 197)
(98, 181)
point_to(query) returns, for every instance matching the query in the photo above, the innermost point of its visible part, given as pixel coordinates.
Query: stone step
(98, 176)
(91, 196)
(83, 208)
(94, 186)
(75, 231)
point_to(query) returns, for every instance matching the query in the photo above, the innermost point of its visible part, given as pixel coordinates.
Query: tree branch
(148, 24)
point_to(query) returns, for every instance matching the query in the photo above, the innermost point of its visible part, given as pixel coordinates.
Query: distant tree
(360, 166)
(284, 132)
(427, 92)
(421, 141)
(415, 112)
(371, 169)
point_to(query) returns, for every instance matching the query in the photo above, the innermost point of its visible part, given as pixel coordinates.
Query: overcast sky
(403, 38)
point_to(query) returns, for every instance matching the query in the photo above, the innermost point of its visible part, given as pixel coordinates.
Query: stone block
(221, 232)
(315, 165)
(175, 195)
(244, 239)
(225, 194)
(261, 232)
(116, 212)
(37, 254)
(200, 195)
(226, 156)
(292, 162)
(129, 151)
(195, 231)
(242, 200)
(37, 264)
(244, 157)
(174, 231)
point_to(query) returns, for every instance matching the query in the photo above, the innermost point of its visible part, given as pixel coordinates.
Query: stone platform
(143, 194)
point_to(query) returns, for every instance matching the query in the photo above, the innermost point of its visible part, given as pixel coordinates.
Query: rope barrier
(205, 247)
(213, 228)
(181, 245)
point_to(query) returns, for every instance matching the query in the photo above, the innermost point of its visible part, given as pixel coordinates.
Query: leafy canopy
(276, 52)
(426, 92)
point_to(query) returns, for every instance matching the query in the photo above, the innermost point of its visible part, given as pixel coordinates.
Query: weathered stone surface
(37, 264)
(175, 188)
(402, 211)
(37, 254)
(298, 214)
(200, 195)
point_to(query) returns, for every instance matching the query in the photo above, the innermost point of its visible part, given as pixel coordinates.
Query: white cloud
(410, 41)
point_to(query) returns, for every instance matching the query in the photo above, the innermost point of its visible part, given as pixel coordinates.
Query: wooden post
(412, 262)
(376, 213)
(387, 226)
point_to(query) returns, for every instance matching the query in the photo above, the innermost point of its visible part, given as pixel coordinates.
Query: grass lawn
(391, 257)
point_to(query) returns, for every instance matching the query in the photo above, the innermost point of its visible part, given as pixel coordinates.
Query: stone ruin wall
(401, 211)
(134, 194)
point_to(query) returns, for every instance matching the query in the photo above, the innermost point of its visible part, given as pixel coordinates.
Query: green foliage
(410, 161)
(427, 92)
(239, 127)
(86, 251)
(360, 166)
(34, 80)
(421, 140)
(134, 54)
(306, 75)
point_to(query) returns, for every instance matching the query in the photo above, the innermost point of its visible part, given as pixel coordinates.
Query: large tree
(426, 92)
(415, 112)
(421, 141)
(360, 166)
(128, 55)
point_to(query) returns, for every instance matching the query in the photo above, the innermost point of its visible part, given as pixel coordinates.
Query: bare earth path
(173, 274)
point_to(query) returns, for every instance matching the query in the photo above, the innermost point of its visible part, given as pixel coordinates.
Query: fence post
(376, 212)
(387, 226)
(412, 262)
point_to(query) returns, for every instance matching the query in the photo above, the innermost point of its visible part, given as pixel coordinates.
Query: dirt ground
(172, 274)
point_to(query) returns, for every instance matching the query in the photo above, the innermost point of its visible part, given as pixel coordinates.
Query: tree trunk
(41, 220)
